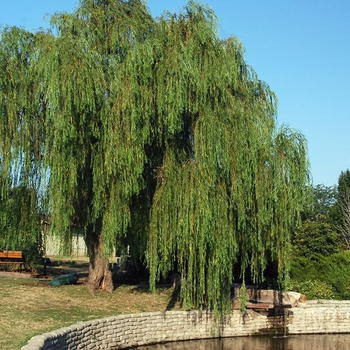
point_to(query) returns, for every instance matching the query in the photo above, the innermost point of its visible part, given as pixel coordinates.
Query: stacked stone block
(124, 331)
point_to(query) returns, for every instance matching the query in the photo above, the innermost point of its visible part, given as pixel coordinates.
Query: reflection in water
(293, 342)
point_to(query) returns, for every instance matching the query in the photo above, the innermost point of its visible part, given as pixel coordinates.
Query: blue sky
(301, 48)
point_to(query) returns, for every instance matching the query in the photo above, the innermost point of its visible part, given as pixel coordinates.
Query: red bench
(11, 257)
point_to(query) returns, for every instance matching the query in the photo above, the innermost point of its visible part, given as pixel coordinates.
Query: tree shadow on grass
(175, 297)
(174, 300)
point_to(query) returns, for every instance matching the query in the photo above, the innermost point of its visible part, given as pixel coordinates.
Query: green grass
(30, 306)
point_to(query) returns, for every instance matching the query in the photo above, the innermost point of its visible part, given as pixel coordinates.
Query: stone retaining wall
(319, 317)
(124, 331)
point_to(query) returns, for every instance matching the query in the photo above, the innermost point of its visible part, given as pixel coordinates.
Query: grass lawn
(29, 306)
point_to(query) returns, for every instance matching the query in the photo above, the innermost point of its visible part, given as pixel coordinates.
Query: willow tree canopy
(154, 125)
(231, 184)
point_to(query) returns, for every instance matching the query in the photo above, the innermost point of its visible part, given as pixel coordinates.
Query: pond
(293, 342)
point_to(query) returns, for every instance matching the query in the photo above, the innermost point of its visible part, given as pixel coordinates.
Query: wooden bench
(267, 306)
(259, 306)
(11, 257)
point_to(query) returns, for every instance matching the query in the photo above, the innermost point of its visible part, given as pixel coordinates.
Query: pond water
(293, 342)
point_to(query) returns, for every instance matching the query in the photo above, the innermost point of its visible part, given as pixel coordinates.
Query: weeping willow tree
(20, 222)
(231, 184)
(157, 129)
(62, 112)
(19, 210)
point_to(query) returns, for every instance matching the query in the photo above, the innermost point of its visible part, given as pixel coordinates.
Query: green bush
(333, 271)
(33, 253)
(313, 289)
(316, 237)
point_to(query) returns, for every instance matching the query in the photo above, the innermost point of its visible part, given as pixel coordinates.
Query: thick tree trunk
(100, 274)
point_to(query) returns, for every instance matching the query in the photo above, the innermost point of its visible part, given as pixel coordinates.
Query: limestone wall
(123, 331)
(323, 316)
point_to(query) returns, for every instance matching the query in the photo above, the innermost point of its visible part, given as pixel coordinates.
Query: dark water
(297, 342)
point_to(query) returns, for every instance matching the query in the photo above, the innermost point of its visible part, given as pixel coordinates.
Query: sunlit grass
(30, 306)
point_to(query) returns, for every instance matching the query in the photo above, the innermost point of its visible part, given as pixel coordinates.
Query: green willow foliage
(122, 111)
(231, 185)
(19, 220)
(19, 215)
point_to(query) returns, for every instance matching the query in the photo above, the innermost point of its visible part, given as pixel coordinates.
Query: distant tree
(119, 112)
(343, 185)
(344, 225)
(338, 212)
(315, 237)
(322, 200)
(341, 212)
(317, 233)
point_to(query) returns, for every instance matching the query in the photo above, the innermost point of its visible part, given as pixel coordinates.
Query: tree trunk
(100, 274)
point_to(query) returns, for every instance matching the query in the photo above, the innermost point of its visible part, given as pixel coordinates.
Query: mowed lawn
(29, 306)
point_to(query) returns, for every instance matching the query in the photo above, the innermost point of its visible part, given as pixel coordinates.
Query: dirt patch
(15, 274)
(61, 267)
(54, 269)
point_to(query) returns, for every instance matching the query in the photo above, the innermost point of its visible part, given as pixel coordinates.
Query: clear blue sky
(301, 48)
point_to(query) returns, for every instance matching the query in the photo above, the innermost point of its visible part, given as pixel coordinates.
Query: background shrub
(313, 289)
(326, 272)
